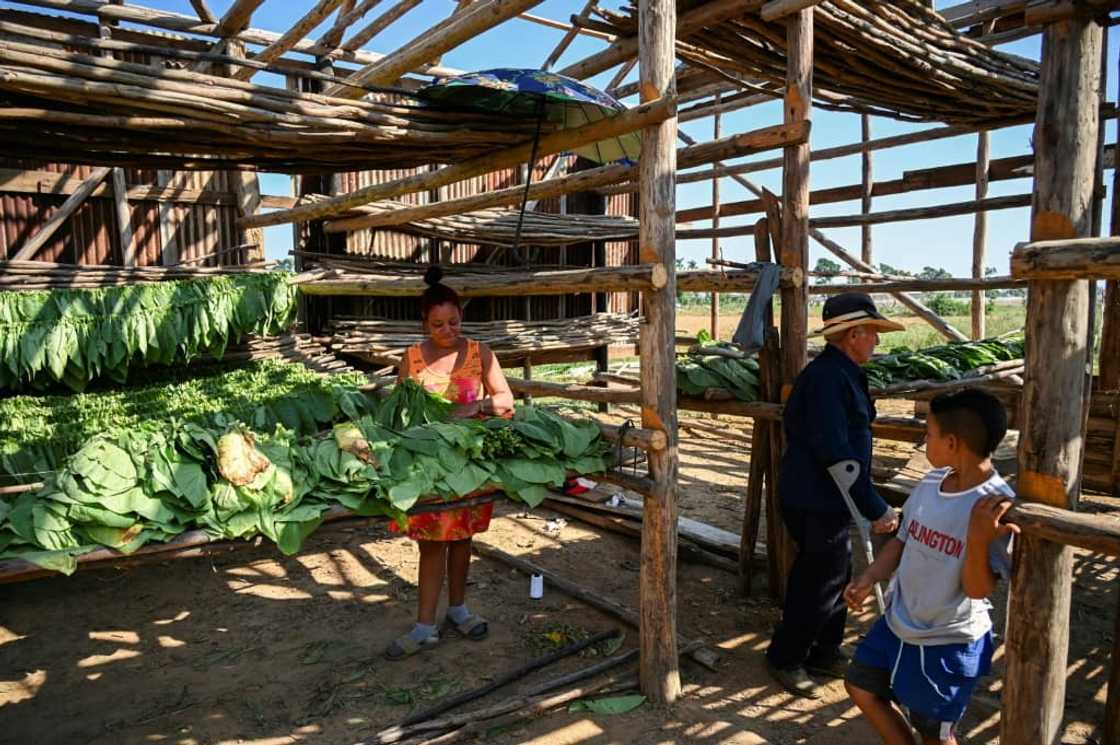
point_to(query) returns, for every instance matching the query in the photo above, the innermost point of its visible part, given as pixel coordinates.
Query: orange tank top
(462, 386)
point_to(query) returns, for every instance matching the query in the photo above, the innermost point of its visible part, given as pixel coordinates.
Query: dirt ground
(253, 647)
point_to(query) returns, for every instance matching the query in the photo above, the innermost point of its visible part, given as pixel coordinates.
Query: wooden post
(120, 184)
(868, 185)
(980, 233)
(37, 241)
(246, 184)
(1110, 310)
(715, 220)
(1051, 443)
(794, 250)
(659, 673)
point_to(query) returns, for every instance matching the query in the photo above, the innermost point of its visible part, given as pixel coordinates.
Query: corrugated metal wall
(163, 232)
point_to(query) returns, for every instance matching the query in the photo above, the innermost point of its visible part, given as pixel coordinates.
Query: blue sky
(945, 242)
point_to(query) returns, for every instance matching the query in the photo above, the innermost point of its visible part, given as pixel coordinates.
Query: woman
(467, 373)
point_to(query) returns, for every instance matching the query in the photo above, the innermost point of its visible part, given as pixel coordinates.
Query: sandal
(474, 627)
(405, 646)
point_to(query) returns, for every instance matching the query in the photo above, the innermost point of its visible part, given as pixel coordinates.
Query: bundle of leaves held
(152, 482)
(946, 362)
(699, 371)
(75, 336)
(37, 433)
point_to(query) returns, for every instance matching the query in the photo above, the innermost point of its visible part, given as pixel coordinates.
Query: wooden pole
(1110, 309)
(60, 216)
(120, 186)
(659, 670)
(246, 184)
(432, 43)
(1052, 436)
(565, 139)
(302, 28)
(366, 34)
(204, 13)
(778, 9)
(794, 251)
(569, 37)
(715, 222)
(980, 233)
(868, 184)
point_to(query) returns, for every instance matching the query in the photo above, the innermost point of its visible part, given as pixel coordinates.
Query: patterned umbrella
(544, 96)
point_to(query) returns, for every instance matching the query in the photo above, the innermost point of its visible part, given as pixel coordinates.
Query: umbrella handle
(529, 175)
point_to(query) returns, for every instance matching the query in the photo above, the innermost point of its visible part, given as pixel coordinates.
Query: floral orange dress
(462, 386)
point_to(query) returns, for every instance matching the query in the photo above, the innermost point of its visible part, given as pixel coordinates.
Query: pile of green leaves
(946, 362)
(156, 480)
(698, 371)
(410, 404)
(76, 336)
(38, 432)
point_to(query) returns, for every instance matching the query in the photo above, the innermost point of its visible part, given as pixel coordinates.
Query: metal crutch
(845, 474)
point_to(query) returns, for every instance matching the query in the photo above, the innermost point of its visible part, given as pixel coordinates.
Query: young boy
(935, 641)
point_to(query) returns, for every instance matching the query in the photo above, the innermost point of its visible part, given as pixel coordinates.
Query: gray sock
(458, 613)
(421, 631)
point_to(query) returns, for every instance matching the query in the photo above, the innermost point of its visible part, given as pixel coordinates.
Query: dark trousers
(814, 614)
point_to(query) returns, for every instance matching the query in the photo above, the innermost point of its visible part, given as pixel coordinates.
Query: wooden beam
(1043, 12)
(574, 392)
(569, 36)
(60, 216)
(204, 13)
(1077, 258)
(44, 183)
(170, 21)
(794, 251)
(1110, 349)
(759, 140)
(732, 280)
(296, 33)
(954, 284)
(561, 26)
(959, 174)
(626, 121)
(659, 671)
(629, 278)
(364, 35)
(476, 19)
(1051, 440)
(980, 233)
(708, 14)
(124, 218)
(236, 19)
(867, 187)
(778, 9)
(924, 213)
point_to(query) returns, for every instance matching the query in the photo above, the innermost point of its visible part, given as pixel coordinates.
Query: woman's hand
(855, 594)
(467, 411)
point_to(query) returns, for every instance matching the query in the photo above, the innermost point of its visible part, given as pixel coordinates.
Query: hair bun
(433, 276)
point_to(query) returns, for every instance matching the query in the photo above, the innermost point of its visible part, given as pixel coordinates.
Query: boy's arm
(984, 528)
(880, 570)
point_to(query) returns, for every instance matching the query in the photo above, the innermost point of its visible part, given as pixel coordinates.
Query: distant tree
(888, 269)
(826, 267)
(990, 271)
(692, 264)
(929, 272)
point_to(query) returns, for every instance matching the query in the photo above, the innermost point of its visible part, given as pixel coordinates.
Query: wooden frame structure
(1056, 266)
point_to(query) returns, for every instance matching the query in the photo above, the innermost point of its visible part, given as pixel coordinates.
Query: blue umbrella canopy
(537, 94)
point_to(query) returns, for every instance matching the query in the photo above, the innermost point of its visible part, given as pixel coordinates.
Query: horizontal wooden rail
(574, 391)
(638, 278)
(947, 284)
(734, 280)
(1098, 533)
(1079, 258)
(635, 437)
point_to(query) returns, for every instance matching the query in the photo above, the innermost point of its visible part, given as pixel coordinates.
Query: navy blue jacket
(828, 419)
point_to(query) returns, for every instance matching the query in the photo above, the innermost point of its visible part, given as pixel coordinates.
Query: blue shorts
(933, 682)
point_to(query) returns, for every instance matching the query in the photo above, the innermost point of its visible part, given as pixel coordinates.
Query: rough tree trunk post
(868, 184)
(715, 220)
(659, 672)
(794, 250)
(980, 233)
(1110, 310)
(245, 183)
(1050, 447)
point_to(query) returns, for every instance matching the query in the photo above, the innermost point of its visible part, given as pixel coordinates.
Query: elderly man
(827, 420)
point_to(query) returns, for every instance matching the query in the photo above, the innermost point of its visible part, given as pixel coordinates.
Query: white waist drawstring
(897, 659)
(922, 657)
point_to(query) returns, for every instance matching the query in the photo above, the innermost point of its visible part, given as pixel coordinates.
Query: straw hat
(850, 309)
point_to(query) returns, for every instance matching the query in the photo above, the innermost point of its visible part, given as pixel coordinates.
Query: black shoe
(794, 680)
(830, 664)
